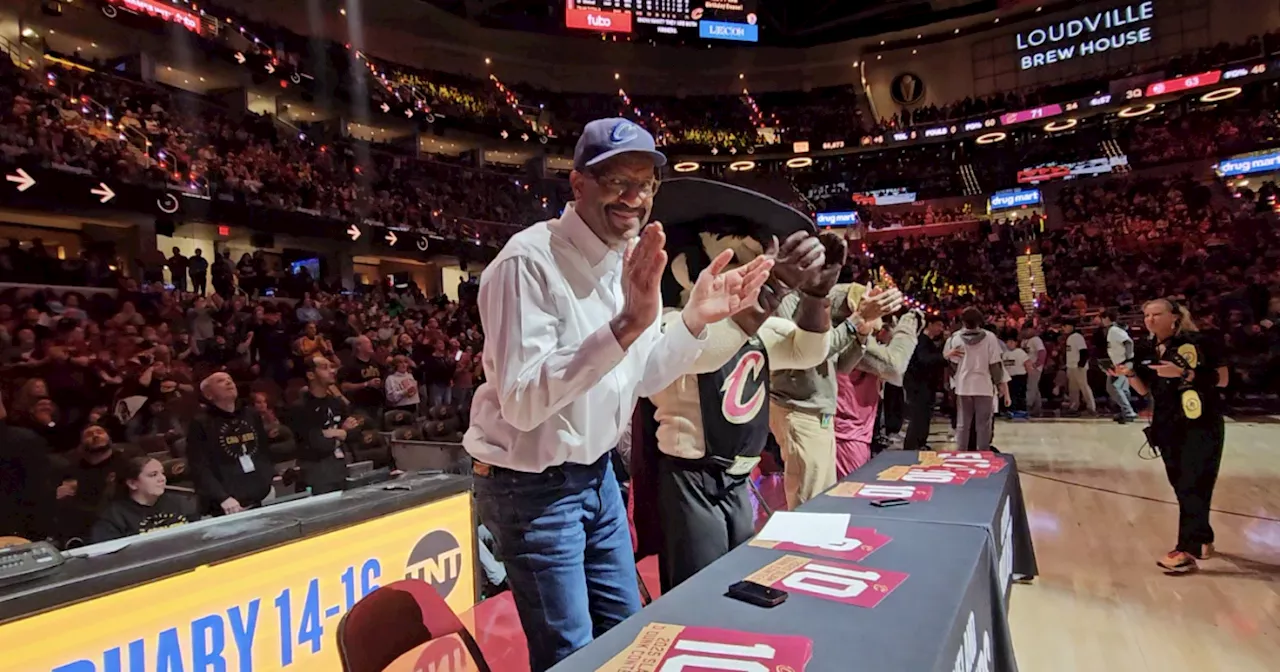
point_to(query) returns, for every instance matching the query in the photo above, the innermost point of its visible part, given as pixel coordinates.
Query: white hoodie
(980, 349)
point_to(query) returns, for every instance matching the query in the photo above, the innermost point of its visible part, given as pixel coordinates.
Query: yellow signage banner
(273, 610)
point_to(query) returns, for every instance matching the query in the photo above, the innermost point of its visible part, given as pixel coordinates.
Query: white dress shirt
(559, 388)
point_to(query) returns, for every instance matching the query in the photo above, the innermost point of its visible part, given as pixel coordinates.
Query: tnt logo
(436, 559)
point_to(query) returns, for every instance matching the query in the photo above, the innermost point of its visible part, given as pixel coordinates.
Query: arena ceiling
(790, 23)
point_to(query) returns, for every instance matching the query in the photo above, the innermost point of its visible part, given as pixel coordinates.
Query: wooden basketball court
(1101, 516)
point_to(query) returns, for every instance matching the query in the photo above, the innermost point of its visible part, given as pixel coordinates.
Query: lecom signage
(595, 19)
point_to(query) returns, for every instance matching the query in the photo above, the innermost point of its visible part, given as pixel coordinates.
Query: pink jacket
(857, 399)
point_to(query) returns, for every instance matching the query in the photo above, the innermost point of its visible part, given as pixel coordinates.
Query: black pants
(200, 284)
(919, 415)
(1018, 393)
(892, 405)
(705, 514)
(1191, 462)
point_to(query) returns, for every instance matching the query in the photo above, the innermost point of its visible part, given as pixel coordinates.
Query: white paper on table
(809, 529)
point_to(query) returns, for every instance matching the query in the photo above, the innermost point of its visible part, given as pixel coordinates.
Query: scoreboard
(710, 19)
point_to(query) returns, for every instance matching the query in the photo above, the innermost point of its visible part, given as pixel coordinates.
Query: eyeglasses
(617, 186)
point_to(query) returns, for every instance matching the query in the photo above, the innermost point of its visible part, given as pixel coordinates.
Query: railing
(22, 55)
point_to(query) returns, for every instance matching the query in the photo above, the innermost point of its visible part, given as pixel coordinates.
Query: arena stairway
(1030, 280)
(972, 187)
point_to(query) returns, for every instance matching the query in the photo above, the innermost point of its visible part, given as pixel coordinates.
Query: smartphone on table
(886, 503)
(754, 593)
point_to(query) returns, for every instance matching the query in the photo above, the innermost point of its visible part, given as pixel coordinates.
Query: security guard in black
(1181, 373)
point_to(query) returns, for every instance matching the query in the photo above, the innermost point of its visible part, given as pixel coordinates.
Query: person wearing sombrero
(713, 422)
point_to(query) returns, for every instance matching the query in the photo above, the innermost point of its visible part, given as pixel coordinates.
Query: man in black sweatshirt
(272, 347)
(227, 451)
(321, 419)
(921, 384)
(26, 487)
(85, 483)
(361, 381)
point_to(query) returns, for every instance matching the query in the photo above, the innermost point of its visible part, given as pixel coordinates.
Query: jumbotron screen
(710, 19)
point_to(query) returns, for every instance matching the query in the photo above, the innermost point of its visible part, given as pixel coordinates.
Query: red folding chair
(395, 619)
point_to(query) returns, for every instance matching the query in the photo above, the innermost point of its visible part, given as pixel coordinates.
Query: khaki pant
(809, 450)
(1077, 387)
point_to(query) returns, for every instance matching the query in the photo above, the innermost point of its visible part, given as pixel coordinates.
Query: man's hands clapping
(878, 302)
(799, 260)
(642, 267)
(834, 252)
(716, 295)
(719, 294)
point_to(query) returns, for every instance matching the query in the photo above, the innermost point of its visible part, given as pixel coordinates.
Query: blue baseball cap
(606, 138)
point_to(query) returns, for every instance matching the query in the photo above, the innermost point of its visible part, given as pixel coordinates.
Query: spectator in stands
(309, 343)
(307, 310)
(222, 273)
(280, 440)
(401, 387)
(84, 481)
(178, 265)
(247, 274)
(141, 503)
(322, 421)
(464, 379)
(198, 267)
(438, 375)
(26, 487)
(272, 347)
(227, 451)
(1120, 353)
(361, 380)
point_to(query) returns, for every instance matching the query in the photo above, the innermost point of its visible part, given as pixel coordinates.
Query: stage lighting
(799, 162)
(685, 167)
(1061, 125)
(991, 138)
(742, 166)
(1220, 94)
(1136, 110)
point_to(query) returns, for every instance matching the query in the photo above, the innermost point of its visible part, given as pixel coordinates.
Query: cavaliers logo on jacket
(714, 420)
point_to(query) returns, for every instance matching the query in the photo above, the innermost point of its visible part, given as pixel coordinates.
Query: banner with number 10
(661, 647)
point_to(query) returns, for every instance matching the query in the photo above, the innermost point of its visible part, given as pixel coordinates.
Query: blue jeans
(563, 536)
(1118, 388)
(440, 395)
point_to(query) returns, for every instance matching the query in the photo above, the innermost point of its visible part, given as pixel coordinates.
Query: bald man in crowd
(227, 450)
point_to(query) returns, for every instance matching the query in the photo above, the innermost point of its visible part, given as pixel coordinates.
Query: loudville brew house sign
(1085, 36)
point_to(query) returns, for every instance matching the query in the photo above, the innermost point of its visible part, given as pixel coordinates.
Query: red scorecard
(830, 580)
(660, 646)
(1183, 83)
(917, 473)
(915, 493)
(971, 464)
(858, 543)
